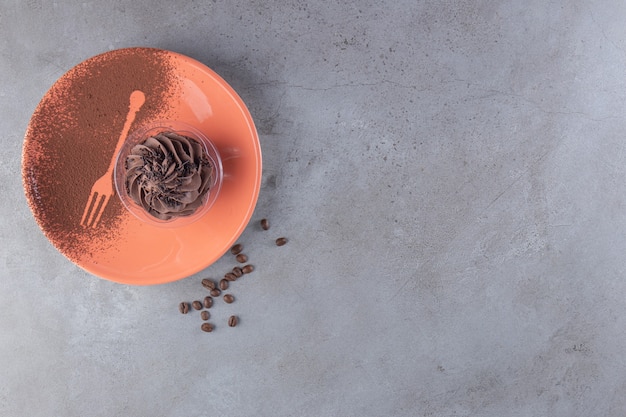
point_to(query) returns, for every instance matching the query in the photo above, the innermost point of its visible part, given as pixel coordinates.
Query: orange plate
(71, 139)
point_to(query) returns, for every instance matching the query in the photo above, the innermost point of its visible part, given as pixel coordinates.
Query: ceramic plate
(72, 138)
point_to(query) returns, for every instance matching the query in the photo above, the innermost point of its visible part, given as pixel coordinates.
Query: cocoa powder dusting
(72, 136)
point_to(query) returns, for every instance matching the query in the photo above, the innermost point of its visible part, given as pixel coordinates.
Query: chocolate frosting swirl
(168, 175)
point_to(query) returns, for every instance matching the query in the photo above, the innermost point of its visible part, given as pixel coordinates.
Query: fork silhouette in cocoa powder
(102, 189)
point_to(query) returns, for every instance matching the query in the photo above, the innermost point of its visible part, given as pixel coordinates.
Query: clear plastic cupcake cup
(138, 136)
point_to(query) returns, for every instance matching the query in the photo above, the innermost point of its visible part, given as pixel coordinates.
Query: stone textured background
(451, 178)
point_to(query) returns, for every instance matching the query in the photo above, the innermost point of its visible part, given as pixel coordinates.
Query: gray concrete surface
(451, 176)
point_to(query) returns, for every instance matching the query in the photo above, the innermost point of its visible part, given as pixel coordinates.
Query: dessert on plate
(169, 175)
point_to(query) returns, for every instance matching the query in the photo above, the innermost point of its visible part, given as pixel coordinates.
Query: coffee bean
(224, 284)
(237, 272)
(215, 292)
(265, 225)
(208, 302)
(232, 321)
(230, 276)
(281, 241)
(205, 315)
(197, 305)
(247, 269)
(236, 249)
(241, 258)
(207, 327)
(228, 298)
(208, 284)
(183, 307)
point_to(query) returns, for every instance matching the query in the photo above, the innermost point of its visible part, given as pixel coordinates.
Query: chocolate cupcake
(168, 175)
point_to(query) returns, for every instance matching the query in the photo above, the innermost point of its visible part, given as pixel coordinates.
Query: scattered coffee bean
(183, 307)
(216, 288)
(236, 249)
(208, 284)
(265, 225)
